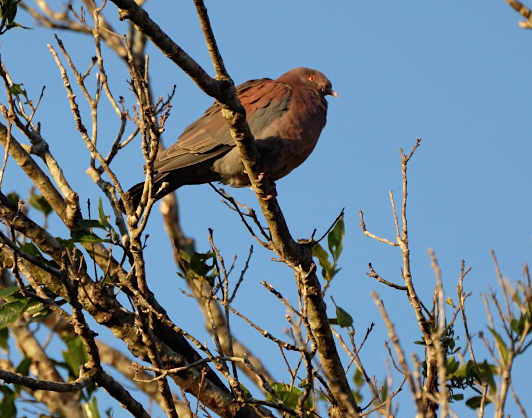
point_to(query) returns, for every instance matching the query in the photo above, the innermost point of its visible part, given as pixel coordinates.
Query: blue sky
(456, 74)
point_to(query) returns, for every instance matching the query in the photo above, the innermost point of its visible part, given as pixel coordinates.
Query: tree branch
(296, 256)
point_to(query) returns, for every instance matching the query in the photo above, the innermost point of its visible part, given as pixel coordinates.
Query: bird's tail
(135, 193)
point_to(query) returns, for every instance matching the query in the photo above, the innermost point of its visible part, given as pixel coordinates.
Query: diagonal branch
(523, 11)
(296, 256)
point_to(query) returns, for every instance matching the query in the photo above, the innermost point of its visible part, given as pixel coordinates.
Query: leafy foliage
(16, 305)
(290, 396)
(7, 404)
(343, 319)
(8, 12)
(90, 409)
(463, 376)
(200, 265)
(335, 243)
(84, 234)
(41, 204)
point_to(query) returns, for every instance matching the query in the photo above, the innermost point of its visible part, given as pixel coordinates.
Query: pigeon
(286, 117)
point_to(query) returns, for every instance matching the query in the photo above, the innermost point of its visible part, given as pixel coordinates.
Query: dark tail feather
(200, 173)
(134, 195)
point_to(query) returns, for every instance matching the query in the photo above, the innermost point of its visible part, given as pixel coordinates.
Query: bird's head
(310, 78)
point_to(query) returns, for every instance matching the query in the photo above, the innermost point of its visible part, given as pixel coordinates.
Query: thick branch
(35, 173)
(37, 384)
(295, 255)
(107, 311)
(131, 11)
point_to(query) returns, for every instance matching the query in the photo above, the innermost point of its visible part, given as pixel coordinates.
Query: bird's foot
(273, 189)
(273, 192)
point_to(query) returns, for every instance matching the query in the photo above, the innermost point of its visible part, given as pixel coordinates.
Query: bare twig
(523, 11)
(374, 274)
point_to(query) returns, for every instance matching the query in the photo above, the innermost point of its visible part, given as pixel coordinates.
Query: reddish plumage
(285, 115)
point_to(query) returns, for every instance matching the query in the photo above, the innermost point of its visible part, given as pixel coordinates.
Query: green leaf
(4, 336)
(6, 390)
(9, 10)
(323, 258)
(452, 365)
(104, 220)
(470, 365)
(69, 246)
(8, 291)
(31, 249)
(17, 25)
(185, 256)
(24, 367)
(11, 14)
(458, 397)
(245, 390)
(461, 371)
(517, 297)
(289, 397)
(86, 237)
(452, 344)
(503, 348)
(384, 392)
(62, 365)
(41, 204)
(13, 198)
(12, 311)
(519, 325)
(211, 278)
(101, 214)
(488, 370)
(358, 379)
(333, 321)
(198, 263)
(90, 409)
(7, 405)
(475, 401)
(83, 234)
(14, 297)
(17, 89)
(76, 356)
(514, 325)
(358, 397)
(89, 390)
(335, 239)
(34, 306)
(344, 319)
(88, 223)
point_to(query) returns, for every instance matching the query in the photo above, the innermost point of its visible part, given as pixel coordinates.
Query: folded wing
(264, 100)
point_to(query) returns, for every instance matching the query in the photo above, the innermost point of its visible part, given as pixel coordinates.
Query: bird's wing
(265, 100)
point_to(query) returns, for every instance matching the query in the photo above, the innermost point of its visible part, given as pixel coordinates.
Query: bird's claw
(270, 196)
(273, 192)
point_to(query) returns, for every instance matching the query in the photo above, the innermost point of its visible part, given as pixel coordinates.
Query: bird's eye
(312, 78)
